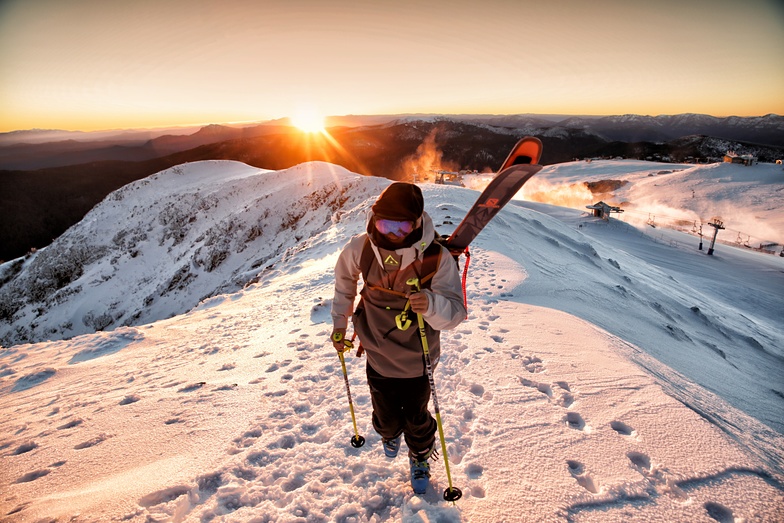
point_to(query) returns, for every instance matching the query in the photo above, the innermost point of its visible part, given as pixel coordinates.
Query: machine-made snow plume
(427, 159)
(575, 196)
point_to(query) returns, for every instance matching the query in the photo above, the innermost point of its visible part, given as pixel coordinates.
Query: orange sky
(97, 64)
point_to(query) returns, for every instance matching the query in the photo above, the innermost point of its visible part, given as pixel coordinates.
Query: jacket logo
(490, 203)
(391, 261)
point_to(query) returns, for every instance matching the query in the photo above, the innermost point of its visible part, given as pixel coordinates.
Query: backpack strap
(366, 259)
(430, 262)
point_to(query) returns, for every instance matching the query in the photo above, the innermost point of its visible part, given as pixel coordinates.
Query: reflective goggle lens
(399, 228)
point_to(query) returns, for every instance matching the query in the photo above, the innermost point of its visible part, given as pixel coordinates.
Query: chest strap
(427, 267)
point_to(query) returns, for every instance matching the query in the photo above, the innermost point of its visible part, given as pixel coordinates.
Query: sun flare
(308, 121)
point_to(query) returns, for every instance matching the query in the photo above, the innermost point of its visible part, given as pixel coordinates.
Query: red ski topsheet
(519, 167)
(497, 194)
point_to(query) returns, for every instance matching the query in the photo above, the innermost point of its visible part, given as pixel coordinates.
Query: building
(745, 159)
(602, 210)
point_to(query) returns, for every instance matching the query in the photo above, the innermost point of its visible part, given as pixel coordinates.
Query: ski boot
(391, 447)
(420, 475)
(420, 469)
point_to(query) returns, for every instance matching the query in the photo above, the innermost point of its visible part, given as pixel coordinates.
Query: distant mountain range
(51, 179)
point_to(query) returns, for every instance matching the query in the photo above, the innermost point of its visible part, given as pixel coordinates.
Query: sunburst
(308, 121)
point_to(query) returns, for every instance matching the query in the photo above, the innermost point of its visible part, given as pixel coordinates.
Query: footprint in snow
(131, 398)
(719, 512)
(533, 364)
(246, 440)
(640, 460)
(92, 442)
(545, 389)
(192, 387)
(25, 448)
(32, 476)
(477, 390)
(474, 470)
(566, 400)
(71, 424)
(577, 470)
(575, 421)
(622, 428)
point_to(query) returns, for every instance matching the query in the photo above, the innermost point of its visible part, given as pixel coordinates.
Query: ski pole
(356, 440)
(452, 493)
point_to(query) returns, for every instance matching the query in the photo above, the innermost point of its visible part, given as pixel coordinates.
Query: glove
(339, 340)
(420, 303)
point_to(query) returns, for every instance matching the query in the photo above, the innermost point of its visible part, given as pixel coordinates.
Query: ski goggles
(398, 228)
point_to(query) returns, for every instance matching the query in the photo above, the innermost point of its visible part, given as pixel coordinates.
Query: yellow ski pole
(356, 440)
(452, 493)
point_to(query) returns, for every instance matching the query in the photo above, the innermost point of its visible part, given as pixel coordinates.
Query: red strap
(465, 275)
(360, 349)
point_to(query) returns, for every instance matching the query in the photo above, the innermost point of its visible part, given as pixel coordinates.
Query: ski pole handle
(340, 342)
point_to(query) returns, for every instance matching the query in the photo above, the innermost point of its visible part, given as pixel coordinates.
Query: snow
(606, 372)
(747, 199)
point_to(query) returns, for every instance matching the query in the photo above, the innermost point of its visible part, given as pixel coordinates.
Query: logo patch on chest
(391, 261)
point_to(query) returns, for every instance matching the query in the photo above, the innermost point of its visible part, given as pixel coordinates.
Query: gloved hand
(419, 302)
(338, 338)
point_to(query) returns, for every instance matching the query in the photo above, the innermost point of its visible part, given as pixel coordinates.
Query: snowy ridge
(156, 247)
(596, 378)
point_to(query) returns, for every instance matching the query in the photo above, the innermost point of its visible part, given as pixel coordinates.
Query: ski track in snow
(237, 412)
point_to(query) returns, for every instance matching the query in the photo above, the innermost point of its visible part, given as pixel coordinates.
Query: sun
(308, 121)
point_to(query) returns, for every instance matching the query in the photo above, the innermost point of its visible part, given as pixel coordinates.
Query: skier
(398, 245)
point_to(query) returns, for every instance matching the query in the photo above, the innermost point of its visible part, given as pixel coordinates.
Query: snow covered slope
(597, 378)
(156, 247)
(748, 199)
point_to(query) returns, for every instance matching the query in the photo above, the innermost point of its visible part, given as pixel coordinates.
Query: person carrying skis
(398, 245)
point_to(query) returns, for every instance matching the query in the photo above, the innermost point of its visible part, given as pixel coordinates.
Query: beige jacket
(392, 352)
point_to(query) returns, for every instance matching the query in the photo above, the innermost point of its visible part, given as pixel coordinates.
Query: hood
(408, 254)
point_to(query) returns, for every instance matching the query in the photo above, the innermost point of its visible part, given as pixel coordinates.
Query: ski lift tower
(717, 224)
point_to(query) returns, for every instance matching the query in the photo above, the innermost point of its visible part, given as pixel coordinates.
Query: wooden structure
(602, 210)
(745, 159)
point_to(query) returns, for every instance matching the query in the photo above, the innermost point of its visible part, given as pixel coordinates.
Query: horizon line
(375, 115)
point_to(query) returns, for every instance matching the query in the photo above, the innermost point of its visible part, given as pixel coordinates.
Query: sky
(92, 64)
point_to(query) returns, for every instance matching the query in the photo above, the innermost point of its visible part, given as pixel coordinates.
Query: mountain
(763, 130)
(37, 206)
(209, 228)
(605, 372)
(36, 149)
(82, 148)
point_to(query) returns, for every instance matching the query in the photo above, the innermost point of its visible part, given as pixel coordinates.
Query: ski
(521, 164)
